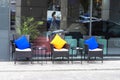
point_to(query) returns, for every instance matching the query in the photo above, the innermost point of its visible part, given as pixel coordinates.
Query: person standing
(54, 25)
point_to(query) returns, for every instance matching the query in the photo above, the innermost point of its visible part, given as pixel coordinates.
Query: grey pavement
(61, 75)
(95, 70)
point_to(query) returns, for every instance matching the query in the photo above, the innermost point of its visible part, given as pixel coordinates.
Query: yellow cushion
(58, 42)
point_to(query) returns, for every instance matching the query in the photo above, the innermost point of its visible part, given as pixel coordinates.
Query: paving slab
(59, 66)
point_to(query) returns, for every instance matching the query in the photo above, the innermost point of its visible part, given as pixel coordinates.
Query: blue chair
(19, 54)
(95, 52)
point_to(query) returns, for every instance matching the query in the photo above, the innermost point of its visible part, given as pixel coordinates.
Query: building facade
(71, 11)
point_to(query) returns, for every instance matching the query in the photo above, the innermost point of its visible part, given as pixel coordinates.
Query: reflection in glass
(53, 21)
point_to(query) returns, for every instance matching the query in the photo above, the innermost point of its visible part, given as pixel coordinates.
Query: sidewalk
(59, 66)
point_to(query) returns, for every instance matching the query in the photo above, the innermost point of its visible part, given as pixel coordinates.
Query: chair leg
(88, 59)
(51, 57)
(84, 56)
(15, 58)
(81, 58)
(15, 61)
(52, 60)
(31, 60)
(95, 57)
(68, 60)
(72, 59)
(102, 59)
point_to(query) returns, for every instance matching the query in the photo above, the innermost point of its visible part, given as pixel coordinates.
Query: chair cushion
(58, 42)
(63, 49)
(25, 50)
(22, 43)
(97, 49)
(92, 43)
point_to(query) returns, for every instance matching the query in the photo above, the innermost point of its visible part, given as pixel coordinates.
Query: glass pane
(53, 15)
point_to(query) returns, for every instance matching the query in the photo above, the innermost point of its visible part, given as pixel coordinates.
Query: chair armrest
(32, 46)
(13, 45)
(67, 46)
(86, 47)
(101, 46)
(51, 47)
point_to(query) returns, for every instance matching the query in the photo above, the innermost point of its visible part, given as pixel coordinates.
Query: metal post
(91, 6)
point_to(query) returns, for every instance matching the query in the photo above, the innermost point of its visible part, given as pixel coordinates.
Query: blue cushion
(22, 43)
(92, 43)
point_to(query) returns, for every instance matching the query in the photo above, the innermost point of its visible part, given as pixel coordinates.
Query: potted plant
(29, 27)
